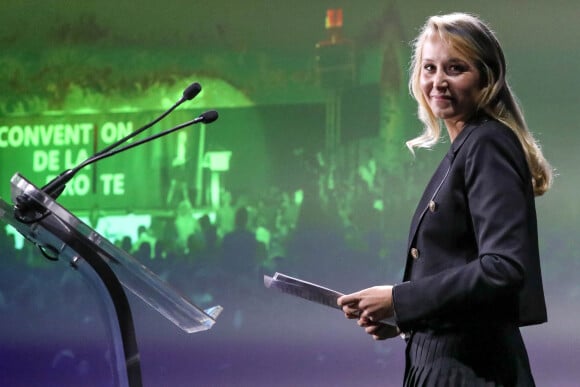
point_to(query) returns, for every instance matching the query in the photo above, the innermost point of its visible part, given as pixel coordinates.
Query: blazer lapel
(438, 179)
(435, 182)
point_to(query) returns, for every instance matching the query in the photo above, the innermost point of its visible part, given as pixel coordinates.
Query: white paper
(308, 291)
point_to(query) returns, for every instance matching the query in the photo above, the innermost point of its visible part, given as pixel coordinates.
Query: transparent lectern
(62, 236)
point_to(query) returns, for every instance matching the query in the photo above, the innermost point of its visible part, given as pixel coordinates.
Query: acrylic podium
(63, 237)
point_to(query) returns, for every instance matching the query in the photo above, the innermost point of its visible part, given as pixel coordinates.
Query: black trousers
(483, 356)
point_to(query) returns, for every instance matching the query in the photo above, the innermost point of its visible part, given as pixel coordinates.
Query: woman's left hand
(373, 304)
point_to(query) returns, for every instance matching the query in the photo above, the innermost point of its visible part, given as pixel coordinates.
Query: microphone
(188, 94)
(54, 191)
(57, 185)
(208, 117)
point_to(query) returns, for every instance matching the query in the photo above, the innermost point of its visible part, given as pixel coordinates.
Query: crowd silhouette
(212, 256)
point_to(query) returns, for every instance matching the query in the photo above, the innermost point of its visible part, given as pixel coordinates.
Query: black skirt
(468, 357)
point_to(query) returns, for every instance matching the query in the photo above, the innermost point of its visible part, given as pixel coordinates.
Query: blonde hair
(473, 39)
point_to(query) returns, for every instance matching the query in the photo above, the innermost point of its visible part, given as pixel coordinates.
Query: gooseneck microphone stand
(63, 237)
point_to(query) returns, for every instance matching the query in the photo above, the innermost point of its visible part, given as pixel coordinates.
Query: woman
(472, 275)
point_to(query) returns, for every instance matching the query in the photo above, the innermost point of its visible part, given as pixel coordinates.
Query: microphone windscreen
(209, 116)
(191, 91)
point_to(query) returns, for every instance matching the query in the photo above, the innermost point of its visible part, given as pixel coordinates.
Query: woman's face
(449, 82)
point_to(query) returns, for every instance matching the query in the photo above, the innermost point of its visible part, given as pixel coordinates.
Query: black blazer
(473, 256)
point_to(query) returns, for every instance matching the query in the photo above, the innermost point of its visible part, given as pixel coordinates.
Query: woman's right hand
(378, 330)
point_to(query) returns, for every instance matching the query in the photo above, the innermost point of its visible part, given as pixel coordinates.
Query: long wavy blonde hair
(473, 39)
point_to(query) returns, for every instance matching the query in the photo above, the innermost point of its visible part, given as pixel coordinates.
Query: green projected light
(42, 146)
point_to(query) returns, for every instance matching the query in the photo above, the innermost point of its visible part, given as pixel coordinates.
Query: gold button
(414, 253)
(432, 206)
